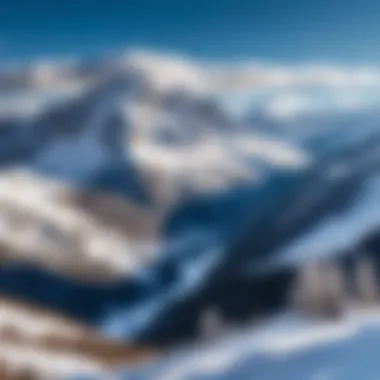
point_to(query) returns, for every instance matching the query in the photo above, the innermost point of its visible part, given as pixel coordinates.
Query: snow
(201, 157)
(30, 203)
(80, 156)
(337, 232)
(26, 347)
(46, 363)
(126, 324)
(268, 351)
(166, 72)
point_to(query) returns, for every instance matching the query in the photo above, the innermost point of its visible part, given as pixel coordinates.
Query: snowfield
(285, 347)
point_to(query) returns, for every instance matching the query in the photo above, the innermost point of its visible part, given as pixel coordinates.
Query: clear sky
(271, 30)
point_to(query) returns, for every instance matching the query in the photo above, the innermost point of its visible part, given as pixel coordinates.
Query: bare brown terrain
(44, 344)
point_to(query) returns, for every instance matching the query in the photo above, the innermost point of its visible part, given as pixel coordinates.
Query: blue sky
(271, 30)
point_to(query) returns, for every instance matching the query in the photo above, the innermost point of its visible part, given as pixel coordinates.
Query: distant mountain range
(132, 199)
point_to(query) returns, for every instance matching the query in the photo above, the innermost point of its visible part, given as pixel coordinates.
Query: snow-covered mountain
(135, 194)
